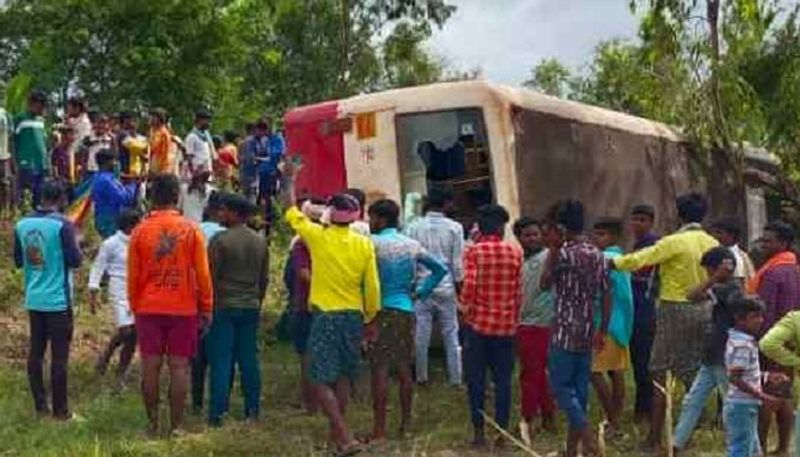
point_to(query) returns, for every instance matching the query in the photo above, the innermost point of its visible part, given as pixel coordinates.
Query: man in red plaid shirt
(490, 302)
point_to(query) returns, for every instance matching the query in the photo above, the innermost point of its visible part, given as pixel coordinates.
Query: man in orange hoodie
(170, 294)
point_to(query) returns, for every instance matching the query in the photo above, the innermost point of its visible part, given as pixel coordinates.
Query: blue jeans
(797, 433)
(709, 378)
(233, 337)
(741, 429)
(495, 353)
(443, 307)
(569, 383)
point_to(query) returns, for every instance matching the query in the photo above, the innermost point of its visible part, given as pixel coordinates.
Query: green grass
(113, 424)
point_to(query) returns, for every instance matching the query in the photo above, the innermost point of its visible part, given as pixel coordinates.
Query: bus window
(445, 148)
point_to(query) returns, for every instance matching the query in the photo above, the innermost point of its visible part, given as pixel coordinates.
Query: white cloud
(506, 38)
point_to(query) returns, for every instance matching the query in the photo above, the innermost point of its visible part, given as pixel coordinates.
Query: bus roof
(461, 94)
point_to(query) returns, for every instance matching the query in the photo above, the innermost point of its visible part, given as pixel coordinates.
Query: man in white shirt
(100, 139)
(112, 260)
(200, 150)
(6, 127)
(728, 232)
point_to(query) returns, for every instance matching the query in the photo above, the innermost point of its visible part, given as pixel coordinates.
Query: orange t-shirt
(168, 267)
(227, 161)
(160, 145)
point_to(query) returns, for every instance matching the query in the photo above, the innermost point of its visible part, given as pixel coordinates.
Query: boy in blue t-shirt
(46, 249)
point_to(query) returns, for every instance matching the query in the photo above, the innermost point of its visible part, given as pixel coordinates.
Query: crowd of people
(187, 277)
(76, 148)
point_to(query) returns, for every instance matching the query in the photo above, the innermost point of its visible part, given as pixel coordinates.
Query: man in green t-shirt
(30, 150)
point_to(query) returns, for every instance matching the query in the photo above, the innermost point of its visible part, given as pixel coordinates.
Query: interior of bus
(445, 148)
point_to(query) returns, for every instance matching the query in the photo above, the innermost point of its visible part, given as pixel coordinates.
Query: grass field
(112, 424)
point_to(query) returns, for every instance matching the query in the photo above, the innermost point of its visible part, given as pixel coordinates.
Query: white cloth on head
(112, 259)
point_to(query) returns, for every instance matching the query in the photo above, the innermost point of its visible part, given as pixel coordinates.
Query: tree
(240, 58)
(127, 54)
(310, 50)
(405, 61)
(727, 73)
(551, 77)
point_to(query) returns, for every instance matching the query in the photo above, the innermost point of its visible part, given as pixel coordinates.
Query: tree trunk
(712, 16)
(344, 64)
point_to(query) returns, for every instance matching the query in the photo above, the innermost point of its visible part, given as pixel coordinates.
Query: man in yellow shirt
(345, 295)
(782, 345)
(680, 323)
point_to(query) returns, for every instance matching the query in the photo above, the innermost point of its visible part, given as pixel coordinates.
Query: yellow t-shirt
(344, 269)
(678, 259)
(137, 150)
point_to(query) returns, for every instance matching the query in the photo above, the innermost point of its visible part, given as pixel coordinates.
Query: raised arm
(299, 222)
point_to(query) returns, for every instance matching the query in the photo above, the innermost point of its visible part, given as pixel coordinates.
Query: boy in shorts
(392, 337)
(112, 259)
(614, 358)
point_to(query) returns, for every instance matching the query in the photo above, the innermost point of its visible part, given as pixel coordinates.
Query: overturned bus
(513, 146)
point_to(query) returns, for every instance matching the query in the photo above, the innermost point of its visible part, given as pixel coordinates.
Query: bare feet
(479, 441)
(549, 424)
(525, 432)
(350, 450)
(650, 446)
(405, 430)
(151, 432)
(373, 439)
(589, 443)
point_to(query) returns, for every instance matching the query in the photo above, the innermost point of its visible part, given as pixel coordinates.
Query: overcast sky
(506, 38)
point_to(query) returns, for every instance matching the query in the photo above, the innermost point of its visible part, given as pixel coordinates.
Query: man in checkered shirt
(490, 302)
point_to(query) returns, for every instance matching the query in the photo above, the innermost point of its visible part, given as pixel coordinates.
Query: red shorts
(161, 334)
